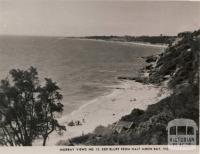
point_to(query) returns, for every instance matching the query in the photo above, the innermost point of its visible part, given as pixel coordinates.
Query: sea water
(84, 69)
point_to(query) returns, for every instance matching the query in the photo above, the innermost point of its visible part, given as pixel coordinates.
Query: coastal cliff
(177, 68)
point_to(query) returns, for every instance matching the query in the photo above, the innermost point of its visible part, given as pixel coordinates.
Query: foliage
(133, 116)
(27, 109)
(102, 130)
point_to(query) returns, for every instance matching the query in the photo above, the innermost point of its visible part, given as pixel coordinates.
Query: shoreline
(127, 43)
(121, 101)
(109, 108)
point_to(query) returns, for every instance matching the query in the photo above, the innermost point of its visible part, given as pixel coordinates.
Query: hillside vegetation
(146, 39)
(178, 68)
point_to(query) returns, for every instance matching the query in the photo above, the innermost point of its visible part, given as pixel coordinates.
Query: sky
(84, 18)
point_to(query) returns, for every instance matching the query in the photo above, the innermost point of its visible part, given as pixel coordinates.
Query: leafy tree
(28, 109)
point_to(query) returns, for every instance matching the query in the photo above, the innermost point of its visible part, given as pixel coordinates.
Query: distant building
(122, 126)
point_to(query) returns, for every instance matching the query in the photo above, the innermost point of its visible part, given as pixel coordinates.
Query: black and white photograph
(99, 73)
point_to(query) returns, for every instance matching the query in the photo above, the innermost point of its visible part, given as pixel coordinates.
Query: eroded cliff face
(179, 62)
(178, 66)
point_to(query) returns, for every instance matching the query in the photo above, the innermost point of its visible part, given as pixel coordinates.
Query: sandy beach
(126, 43)
(108, 109)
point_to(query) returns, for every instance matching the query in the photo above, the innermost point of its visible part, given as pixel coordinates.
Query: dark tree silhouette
(27, 109)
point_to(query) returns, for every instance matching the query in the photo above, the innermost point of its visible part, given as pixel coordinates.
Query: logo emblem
(182, 134)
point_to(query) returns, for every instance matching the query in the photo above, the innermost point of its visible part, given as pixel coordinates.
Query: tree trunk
(44, 141)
